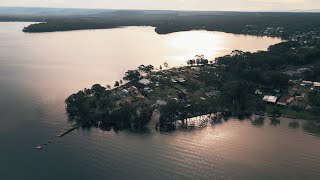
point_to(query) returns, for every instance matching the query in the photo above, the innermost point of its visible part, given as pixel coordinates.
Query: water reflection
(48, 67)
(294, 124)
(312, 127)
(202, 122)
(274, 121)
(258, 121)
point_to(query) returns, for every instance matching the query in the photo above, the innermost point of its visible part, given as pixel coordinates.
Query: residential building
(145, 81)
(285, 100)
(306, 83)
(270, 99)
(316, 85)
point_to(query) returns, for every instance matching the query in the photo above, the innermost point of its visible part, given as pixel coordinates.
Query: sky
(219, 5)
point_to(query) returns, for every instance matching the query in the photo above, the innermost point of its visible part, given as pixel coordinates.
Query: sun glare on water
(196, 42)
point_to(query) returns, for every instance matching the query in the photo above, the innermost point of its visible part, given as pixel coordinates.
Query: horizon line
(174, 10)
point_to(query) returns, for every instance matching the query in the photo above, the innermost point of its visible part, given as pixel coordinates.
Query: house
(175, 79)
(147, 90)
(175, 99)
(270, 99)
(290, 73)
(306, 83)
(294, 81)
(276, 90)
(212, 93)
(181, 80)
(145, 81)
(316, 85)
(301, 97)
(160, 103)
(302, 70)
(196, 68)
(123, 93)
(258, 92)
(134, 89)
(285, 100)
(309, 108)
(156, 77)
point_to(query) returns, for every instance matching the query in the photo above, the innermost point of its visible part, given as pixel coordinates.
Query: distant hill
(51, 12)
(77, 11)
(31, 11)
(310, 10)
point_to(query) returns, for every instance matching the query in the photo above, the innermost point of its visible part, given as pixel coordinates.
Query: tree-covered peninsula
(280, 81)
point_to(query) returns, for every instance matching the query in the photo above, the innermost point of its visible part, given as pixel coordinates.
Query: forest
(273, 24)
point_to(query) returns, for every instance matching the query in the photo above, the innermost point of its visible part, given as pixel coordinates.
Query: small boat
(39, 147)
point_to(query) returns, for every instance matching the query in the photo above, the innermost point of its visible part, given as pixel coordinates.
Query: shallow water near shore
(38, 71)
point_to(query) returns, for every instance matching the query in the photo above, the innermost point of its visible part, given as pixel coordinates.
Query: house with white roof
(316, 85)
(270, 99)
(145, 81)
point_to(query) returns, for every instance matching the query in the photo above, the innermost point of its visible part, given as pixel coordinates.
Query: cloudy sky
(233, 5)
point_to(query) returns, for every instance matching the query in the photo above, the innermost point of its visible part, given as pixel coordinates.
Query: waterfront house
(285, 100)
(270, 99)
(306, 84)
(316, 86)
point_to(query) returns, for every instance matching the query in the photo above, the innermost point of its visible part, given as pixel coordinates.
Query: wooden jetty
(68, 130)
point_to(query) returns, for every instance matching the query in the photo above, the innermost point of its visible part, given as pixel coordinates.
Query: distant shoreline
(281, 25)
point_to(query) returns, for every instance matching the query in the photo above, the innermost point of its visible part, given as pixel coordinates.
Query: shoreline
(153, 123)
(155, 30)
(237, 85)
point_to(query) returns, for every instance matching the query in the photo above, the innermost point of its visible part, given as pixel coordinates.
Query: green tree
(166, 64)
(97, 89)
(314, 98)
(132, 75)
(116, 84)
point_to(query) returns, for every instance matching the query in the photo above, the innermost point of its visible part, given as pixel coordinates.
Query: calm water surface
(38, 71)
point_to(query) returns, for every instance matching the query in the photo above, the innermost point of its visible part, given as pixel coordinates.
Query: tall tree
(116, 84)
(132, 75)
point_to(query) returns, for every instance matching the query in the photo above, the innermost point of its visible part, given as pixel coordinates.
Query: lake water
(38, 71)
